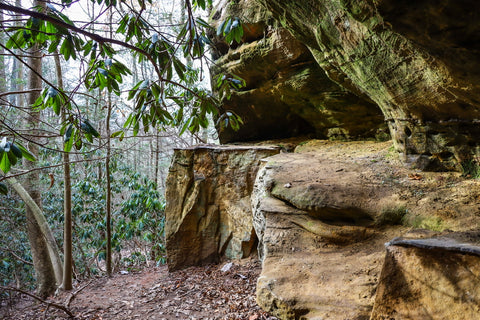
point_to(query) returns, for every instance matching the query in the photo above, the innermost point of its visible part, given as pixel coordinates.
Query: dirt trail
(206, 293)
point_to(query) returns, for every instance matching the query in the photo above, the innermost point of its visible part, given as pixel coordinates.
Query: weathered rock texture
(323, 214)
(208, 213)
(308, 217)
(429, 279)
(287, 94)
(417, 61)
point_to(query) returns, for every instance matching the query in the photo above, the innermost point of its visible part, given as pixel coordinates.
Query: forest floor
(206, 293)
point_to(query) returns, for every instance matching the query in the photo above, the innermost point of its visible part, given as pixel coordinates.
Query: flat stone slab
(437, 244)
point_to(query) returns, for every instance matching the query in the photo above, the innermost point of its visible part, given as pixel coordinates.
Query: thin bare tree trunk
(3, 66)
(109, 194)
(157, 157)
(107, 173)
(17, 71)
(67, 199)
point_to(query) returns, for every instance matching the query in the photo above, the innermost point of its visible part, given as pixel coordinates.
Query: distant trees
(92, 85)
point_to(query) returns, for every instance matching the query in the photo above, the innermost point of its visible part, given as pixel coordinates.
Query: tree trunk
(157, 158)
(3, 66)
(67, 201)
(107, 173)
(109, 192)
(17, 70)
(47, 278)
(43, 234)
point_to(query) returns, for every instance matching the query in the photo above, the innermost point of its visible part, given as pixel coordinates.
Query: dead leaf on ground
(415, 176)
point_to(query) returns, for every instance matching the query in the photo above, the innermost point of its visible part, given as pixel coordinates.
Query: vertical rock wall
(208, 213)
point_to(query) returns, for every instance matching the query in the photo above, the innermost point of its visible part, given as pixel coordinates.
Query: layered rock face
(416, 61)
(208, 212)
(305, 231)
(287, 94)
(321, 217)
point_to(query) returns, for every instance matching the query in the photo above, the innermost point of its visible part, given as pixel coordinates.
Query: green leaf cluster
(226, 84)
(202, 3)
(194, 38)
(48, 35)
(231, 28)
(76, 127)
(106, 74)
(10, 153)
(133, 25)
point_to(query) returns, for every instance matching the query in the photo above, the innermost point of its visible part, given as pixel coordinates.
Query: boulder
(417, 62)
(321, 256)
(208, 213)
(323, 214)
(433, 278)
(287, 94)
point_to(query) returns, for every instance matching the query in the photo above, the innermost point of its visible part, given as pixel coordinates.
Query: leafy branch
(98, 38)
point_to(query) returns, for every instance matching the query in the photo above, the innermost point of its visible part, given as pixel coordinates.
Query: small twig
(73, 294)
(16, 256)
(45, 312)
(49, 304)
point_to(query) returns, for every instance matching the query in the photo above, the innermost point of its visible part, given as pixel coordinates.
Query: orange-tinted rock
(429, 279)
(208, 212)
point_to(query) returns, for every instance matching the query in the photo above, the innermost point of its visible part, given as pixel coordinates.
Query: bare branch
(74, 294)
(16, 256)
(48, 303)
(3, 94)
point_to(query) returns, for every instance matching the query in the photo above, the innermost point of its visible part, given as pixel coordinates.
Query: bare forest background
(94, 97)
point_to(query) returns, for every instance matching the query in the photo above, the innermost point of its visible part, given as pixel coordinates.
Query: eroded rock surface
(208, 213)
(416, 61)
(324, 213)
(436, 278)
(322, 216)
(287, 93)
(308, 221)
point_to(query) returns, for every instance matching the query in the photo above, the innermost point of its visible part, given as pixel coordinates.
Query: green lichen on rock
(416, 61)
(287, 93)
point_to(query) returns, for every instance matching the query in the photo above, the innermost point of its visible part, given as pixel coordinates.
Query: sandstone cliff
(415, 64)
(320, 217)
(208, 213)
(287, 93)
(323, 214)
(344, 70)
